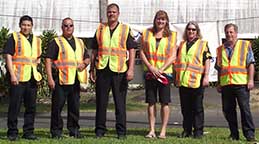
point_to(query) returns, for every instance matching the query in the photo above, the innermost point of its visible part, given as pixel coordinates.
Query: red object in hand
(162, 79)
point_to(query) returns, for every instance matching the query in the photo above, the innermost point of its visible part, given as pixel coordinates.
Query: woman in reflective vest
(158, 52)
(26, 57)
(67, 61)
(192, 69)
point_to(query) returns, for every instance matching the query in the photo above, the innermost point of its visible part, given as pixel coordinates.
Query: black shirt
(206, 54)
(53, 49)
(10, 45)
(130, 43)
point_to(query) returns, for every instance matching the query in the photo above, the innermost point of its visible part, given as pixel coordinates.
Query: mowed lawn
(135, 136)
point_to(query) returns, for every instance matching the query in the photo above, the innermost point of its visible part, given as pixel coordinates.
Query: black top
(53, 49)
(130, 43)
(206, 54)
(10, 45)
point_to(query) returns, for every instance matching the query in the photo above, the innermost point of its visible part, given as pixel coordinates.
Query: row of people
(111, 68)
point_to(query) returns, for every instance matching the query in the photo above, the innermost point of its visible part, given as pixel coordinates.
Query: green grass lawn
(135, 136)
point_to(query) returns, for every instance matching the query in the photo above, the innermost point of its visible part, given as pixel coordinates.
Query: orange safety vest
(25, 58)
(112, 50)
(233, 71)
(158, 56)
(67, 61)
(189, 65)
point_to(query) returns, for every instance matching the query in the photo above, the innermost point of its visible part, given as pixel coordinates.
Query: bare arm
(205, 81)
(92, 68)
(151, 68)
(130, 72)
(48, 65)
(251, 69)
(9, 63)
(169, 61)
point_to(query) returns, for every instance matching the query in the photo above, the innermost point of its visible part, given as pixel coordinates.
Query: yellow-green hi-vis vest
(67, 61)
(189, 65)
(112, 50)
(233, 71)
(26, 57)
(158, 56)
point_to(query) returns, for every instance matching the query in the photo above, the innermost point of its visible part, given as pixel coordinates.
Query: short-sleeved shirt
(229, 50)
(53, 49)
(130, 43)
(9, 47)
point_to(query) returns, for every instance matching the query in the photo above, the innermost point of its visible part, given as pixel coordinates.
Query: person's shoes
(150, 135)
(13, 137)
(185, 134)
(197, 136)
(251, 139)
(75, 135)
(162, 137)
(121, 137)
(57, 136)
(232, 137)
(98, 135)
(30, 137)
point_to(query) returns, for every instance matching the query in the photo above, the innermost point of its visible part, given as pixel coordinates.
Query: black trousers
(105, 81)
(26, 92)
(59, 96)
(231, 95)
(192, 109)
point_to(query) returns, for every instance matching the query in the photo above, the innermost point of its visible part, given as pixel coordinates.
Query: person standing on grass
(66, 62)
(110, 69)
(192, 70)
(22, 52)
(235, 65)
(158, 51)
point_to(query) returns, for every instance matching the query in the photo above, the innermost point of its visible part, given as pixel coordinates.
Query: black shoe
(98, 136)
(251, 139)
(56, 136)
(232, 137)
(75, 134)
(185, 134)
(121, 137)
(30, 137)
(13, 137)
(197, 136)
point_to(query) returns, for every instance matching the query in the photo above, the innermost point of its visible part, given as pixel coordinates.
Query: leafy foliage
(46, 37)
(4, 34)
(255, 46)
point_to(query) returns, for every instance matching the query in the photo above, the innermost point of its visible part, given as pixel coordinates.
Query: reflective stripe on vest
(158, 56)
(26, 57)
(67, 61)
(189, 66)
(233, 71)
(112, 50)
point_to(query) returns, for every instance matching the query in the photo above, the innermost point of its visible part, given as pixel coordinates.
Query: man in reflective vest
(235, 65)
(22, 52)
(67, 57)
(113, 71)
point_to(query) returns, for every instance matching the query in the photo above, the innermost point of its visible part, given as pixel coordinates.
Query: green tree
(4, 34)
(46, 37)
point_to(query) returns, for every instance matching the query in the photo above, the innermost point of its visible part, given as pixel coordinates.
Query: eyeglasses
(191, 29)
(68, 25)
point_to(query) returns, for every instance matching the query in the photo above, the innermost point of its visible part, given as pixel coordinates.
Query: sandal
(162, 137)
(150, 135)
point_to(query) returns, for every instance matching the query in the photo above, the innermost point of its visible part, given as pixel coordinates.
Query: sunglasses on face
(191, 29)
(65, 25)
